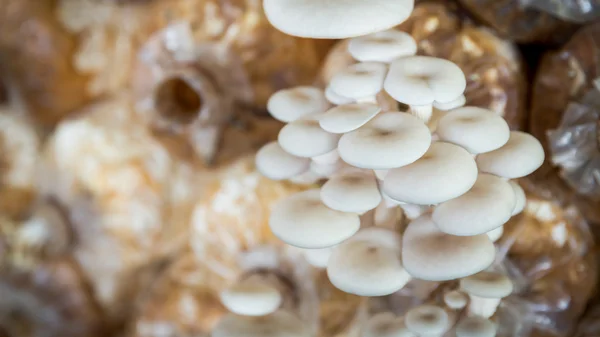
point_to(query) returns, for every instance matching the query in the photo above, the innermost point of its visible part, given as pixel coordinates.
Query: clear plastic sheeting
(575, 145)
(580, 11)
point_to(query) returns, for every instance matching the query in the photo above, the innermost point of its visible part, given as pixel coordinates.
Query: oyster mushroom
(486, 289)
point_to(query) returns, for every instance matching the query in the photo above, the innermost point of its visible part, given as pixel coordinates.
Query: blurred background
(129, 197)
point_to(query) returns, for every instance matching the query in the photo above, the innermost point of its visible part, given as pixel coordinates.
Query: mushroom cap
(427, 320)
(338, 19)
(359, 80)
(386, 324)
(520, 156)
(384, 46)
(456, 299)
(330, 157)
(317, 257)
(383, 237)
(326, 170)
(305, 138)
(281, 323)
(475, 129)
(456, 103)
(355, 192)
(487, 284)
(335, 98)
(348, 117)
(432, 255)
(496, 233)
(390, 140)
(475, 326)
(302, 220)
(422, 80)
(288, 105)
(487, 205)
(251, 297)
(521, 198)
(365, 267)
(276, 164)
(446, 171)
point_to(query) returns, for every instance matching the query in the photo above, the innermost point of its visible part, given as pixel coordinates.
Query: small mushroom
(335, 98)
(475, 327)
(305, 138)
(456, 299)
(520, 156)
(302, 220)
(361, 81)
(384, 46)
(368, 264)
(457, 103)
(348, 117)
(475, 129)
(487, 205)
(278, 324)
(337, 19)
(390, 140)
(427, 320)
(355, 192)
(386, 324)
(446, 171)
(251, 297)
(432, 255)
(288, 105)
(419, 81)
(485, 290)
(276, 164)
(521, 198)
(496, 233)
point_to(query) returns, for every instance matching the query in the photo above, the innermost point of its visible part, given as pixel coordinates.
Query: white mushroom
(384, 46)
(348, 117)
(419, 81)
(361, 81)
(276, 164)
(446, 171)
(521, 198)
(335, 98)
(429, 254)
(457, 103)
(390, 140)
(288, 105)
(386, 324)
(520, 156)
(496, 233)
(281, 323)
(475, 129)
(355, 192)
(368, 264)
(302, 220)
(456, 299)
(337, 19)
(331, 157)
(485, 290)
(251, 297)
(318, 258)
(475, 327)
(487, 205)
(327, 170)
(305, 138)
(427, 320)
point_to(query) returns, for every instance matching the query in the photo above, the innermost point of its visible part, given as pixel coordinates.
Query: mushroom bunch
(451, 174)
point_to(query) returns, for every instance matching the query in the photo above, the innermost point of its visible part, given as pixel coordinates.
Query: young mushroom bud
(368, 264)
(486, 289)
(456, 299)
(446, 171)
(477, 130)
(351, 192)
(276, 164)
(521, 198)
(427, 320)
(337, 19)
(432, 255)
(305, 138)
(280, 323)
(348, 117)
(360, 82)
(302, 220)
(288, 105)
(390, 140)
(496, 233)
(419, 81)
(386, 324)
(475, 327)
(251, 297)
(520, 156)
(384, 46)
(489, 204)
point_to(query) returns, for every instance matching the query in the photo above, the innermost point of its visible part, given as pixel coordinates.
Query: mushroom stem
(481, 306)
(412, 211)
(423, 112)
(380, 174)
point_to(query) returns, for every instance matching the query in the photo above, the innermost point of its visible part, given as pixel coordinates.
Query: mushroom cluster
(449, 167)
